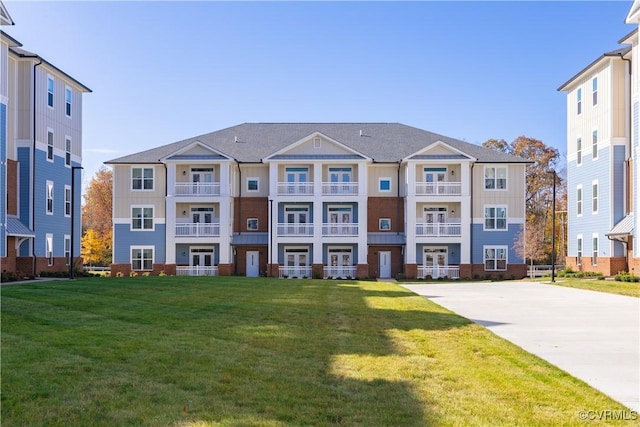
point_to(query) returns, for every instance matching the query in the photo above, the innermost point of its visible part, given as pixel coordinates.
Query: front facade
(41, 136)
(602, 171)
(321, 200)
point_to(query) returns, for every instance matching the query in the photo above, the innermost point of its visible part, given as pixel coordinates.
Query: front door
(340, 220)
(297, 263)
(201, 221)
(201, 262)
(253, 263)
(434, 176)
(385, 264)
(297, 221)
(202, 178)
(435, 262)
(338, 176)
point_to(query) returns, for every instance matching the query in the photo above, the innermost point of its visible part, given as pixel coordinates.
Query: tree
(96, 219)
(530, 242)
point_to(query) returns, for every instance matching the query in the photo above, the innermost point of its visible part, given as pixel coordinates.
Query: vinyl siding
(124, 238)
(124, 196)
(506, 238)
(374, 174)
(512, 197)
(3, 174)
(252, 171)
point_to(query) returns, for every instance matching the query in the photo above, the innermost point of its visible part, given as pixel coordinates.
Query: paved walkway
(594, 336)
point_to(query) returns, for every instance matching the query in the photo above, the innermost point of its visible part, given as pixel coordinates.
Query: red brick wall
(373, 261)
(514, 271)
(241, 259)
(251, 207)
(606, 266)
(385, 207)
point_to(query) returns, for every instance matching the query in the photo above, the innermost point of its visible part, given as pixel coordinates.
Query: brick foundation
(362, 271)
(606, 266)
(317, 271)
(273, 270)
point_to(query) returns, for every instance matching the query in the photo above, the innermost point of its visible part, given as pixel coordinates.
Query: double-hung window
(50, 86)
(142, 218)
(594, 197)
(50, 145)
(495, 218)
(67, 249)
(495, 258)
(579, 251)
(594, 145)
(495, 178)
(67, 152)
(579, 99)
(49, 249)
(579, 200)
(67, 101)
(142, 179)
(579, 151)
(594, 259)
(594, 84)
(67, 200)
(142, 258)
(49, 197)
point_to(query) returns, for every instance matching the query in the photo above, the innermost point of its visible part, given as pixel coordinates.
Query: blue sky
(165, 71)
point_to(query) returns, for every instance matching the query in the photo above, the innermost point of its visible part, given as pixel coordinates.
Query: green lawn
(168, 351)
(631, 289)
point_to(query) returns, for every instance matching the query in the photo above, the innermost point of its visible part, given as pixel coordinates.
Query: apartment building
(41, 148)
(602, 170)
(321, 200)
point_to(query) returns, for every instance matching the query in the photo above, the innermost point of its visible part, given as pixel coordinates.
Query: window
(67, 200)
(594, 259)
(579, 252)
(142, 257)
(142, 218)
(67, 101)
(579, 200)
(67, 249)
(594, 145)
(594, 197)
(49, 249)
(595, 90)
(495, 258)
(50, 145)
(252, 224)
(495, 178)
(384, 224)
(384, 185)
(49, 193)
(142, 179)
(50, 91)
(579, 151)
(495, 218)
(317, 142)
(579, 96)
(253, 184)
(67, 152)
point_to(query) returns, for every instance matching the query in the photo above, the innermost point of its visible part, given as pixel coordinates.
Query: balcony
(341, 229)
(196, 271)
(340, 188)
(300, 272)
(197, 189)
(438, 188)
(295, 229)
(339, 272)
(443, 229)
(295, 188)
(199, 229)
(436, 271)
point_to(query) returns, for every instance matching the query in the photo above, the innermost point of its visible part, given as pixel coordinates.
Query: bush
(624, 276)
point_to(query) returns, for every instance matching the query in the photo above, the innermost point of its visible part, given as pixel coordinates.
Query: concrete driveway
(594, 336)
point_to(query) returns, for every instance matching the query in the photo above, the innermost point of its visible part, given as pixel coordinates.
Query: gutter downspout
(235, 252)
(402, 247)
(627, 171)
(471, 220)
(33, 174)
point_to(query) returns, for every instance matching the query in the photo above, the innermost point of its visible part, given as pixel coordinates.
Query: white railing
(293, 229)
(450, 271)
(340, 188)
(339, 272)
(438, 229)
(201, 229)
(542, 270)
(197, 189)
(295, 188)
(340, 229)
(196, 271)
(299, 272)
(438, 188)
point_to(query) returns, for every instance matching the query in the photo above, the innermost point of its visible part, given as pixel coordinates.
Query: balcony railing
(294, 229)
(196, 271)
(339, 272)
(443, 229)
(197, 189)
(295, 188)
(436, 271)
(340, 188)
(200, 229)
(439, 188)
(340, 229)
(299, 272)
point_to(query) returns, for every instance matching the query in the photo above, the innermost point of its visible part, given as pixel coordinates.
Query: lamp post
(553, 231)
(73, 211)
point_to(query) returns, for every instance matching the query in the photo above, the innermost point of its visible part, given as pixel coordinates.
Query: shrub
(162, 273)
(119, 274)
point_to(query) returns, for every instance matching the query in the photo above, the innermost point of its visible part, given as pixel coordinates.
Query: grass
(168, 351)
(631, 289)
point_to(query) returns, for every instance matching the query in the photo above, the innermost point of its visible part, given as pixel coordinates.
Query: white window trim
(595, 250)
(317, 142)
(70, 201)
(579, 151)
(48, 249)
(252, 178)
(595, 199)
(385, 178)
(68, 89)
(142, 248)
(579, 200)
(594, 155)
(53, 92)
(595, 79)
(506, 218)
(67, 238)
(579, 101)
(153, 178)
(68, 138)
(381, 221)
(495, 177)
(579, 249)
(49, 185)
(153, 219)
(53, 145)
(495, 247)
(257, 224)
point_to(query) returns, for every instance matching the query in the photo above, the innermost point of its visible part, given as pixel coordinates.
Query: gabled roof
(381, 142)
(453, 153)
(22, 53)
(634, 13)
(618, 53)
(5, 18)
(10, 40)
(186, 153)
(285, 154)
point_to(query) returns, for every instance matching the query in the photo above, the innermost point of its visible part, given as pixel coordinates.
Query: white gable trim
(5, 18)
(190, 147)
(430, 147)
(310, 137)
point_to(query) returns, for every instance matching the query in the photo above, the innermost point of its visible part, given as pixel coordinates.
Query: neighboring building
(41, 135)
(319, 200)
(602, 148)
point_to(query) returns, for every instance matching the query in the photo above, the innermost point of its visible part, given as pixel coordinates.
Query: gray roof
(383, 142)
(623, 228)
(386, 239)
(250, 239)
(15, 227)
